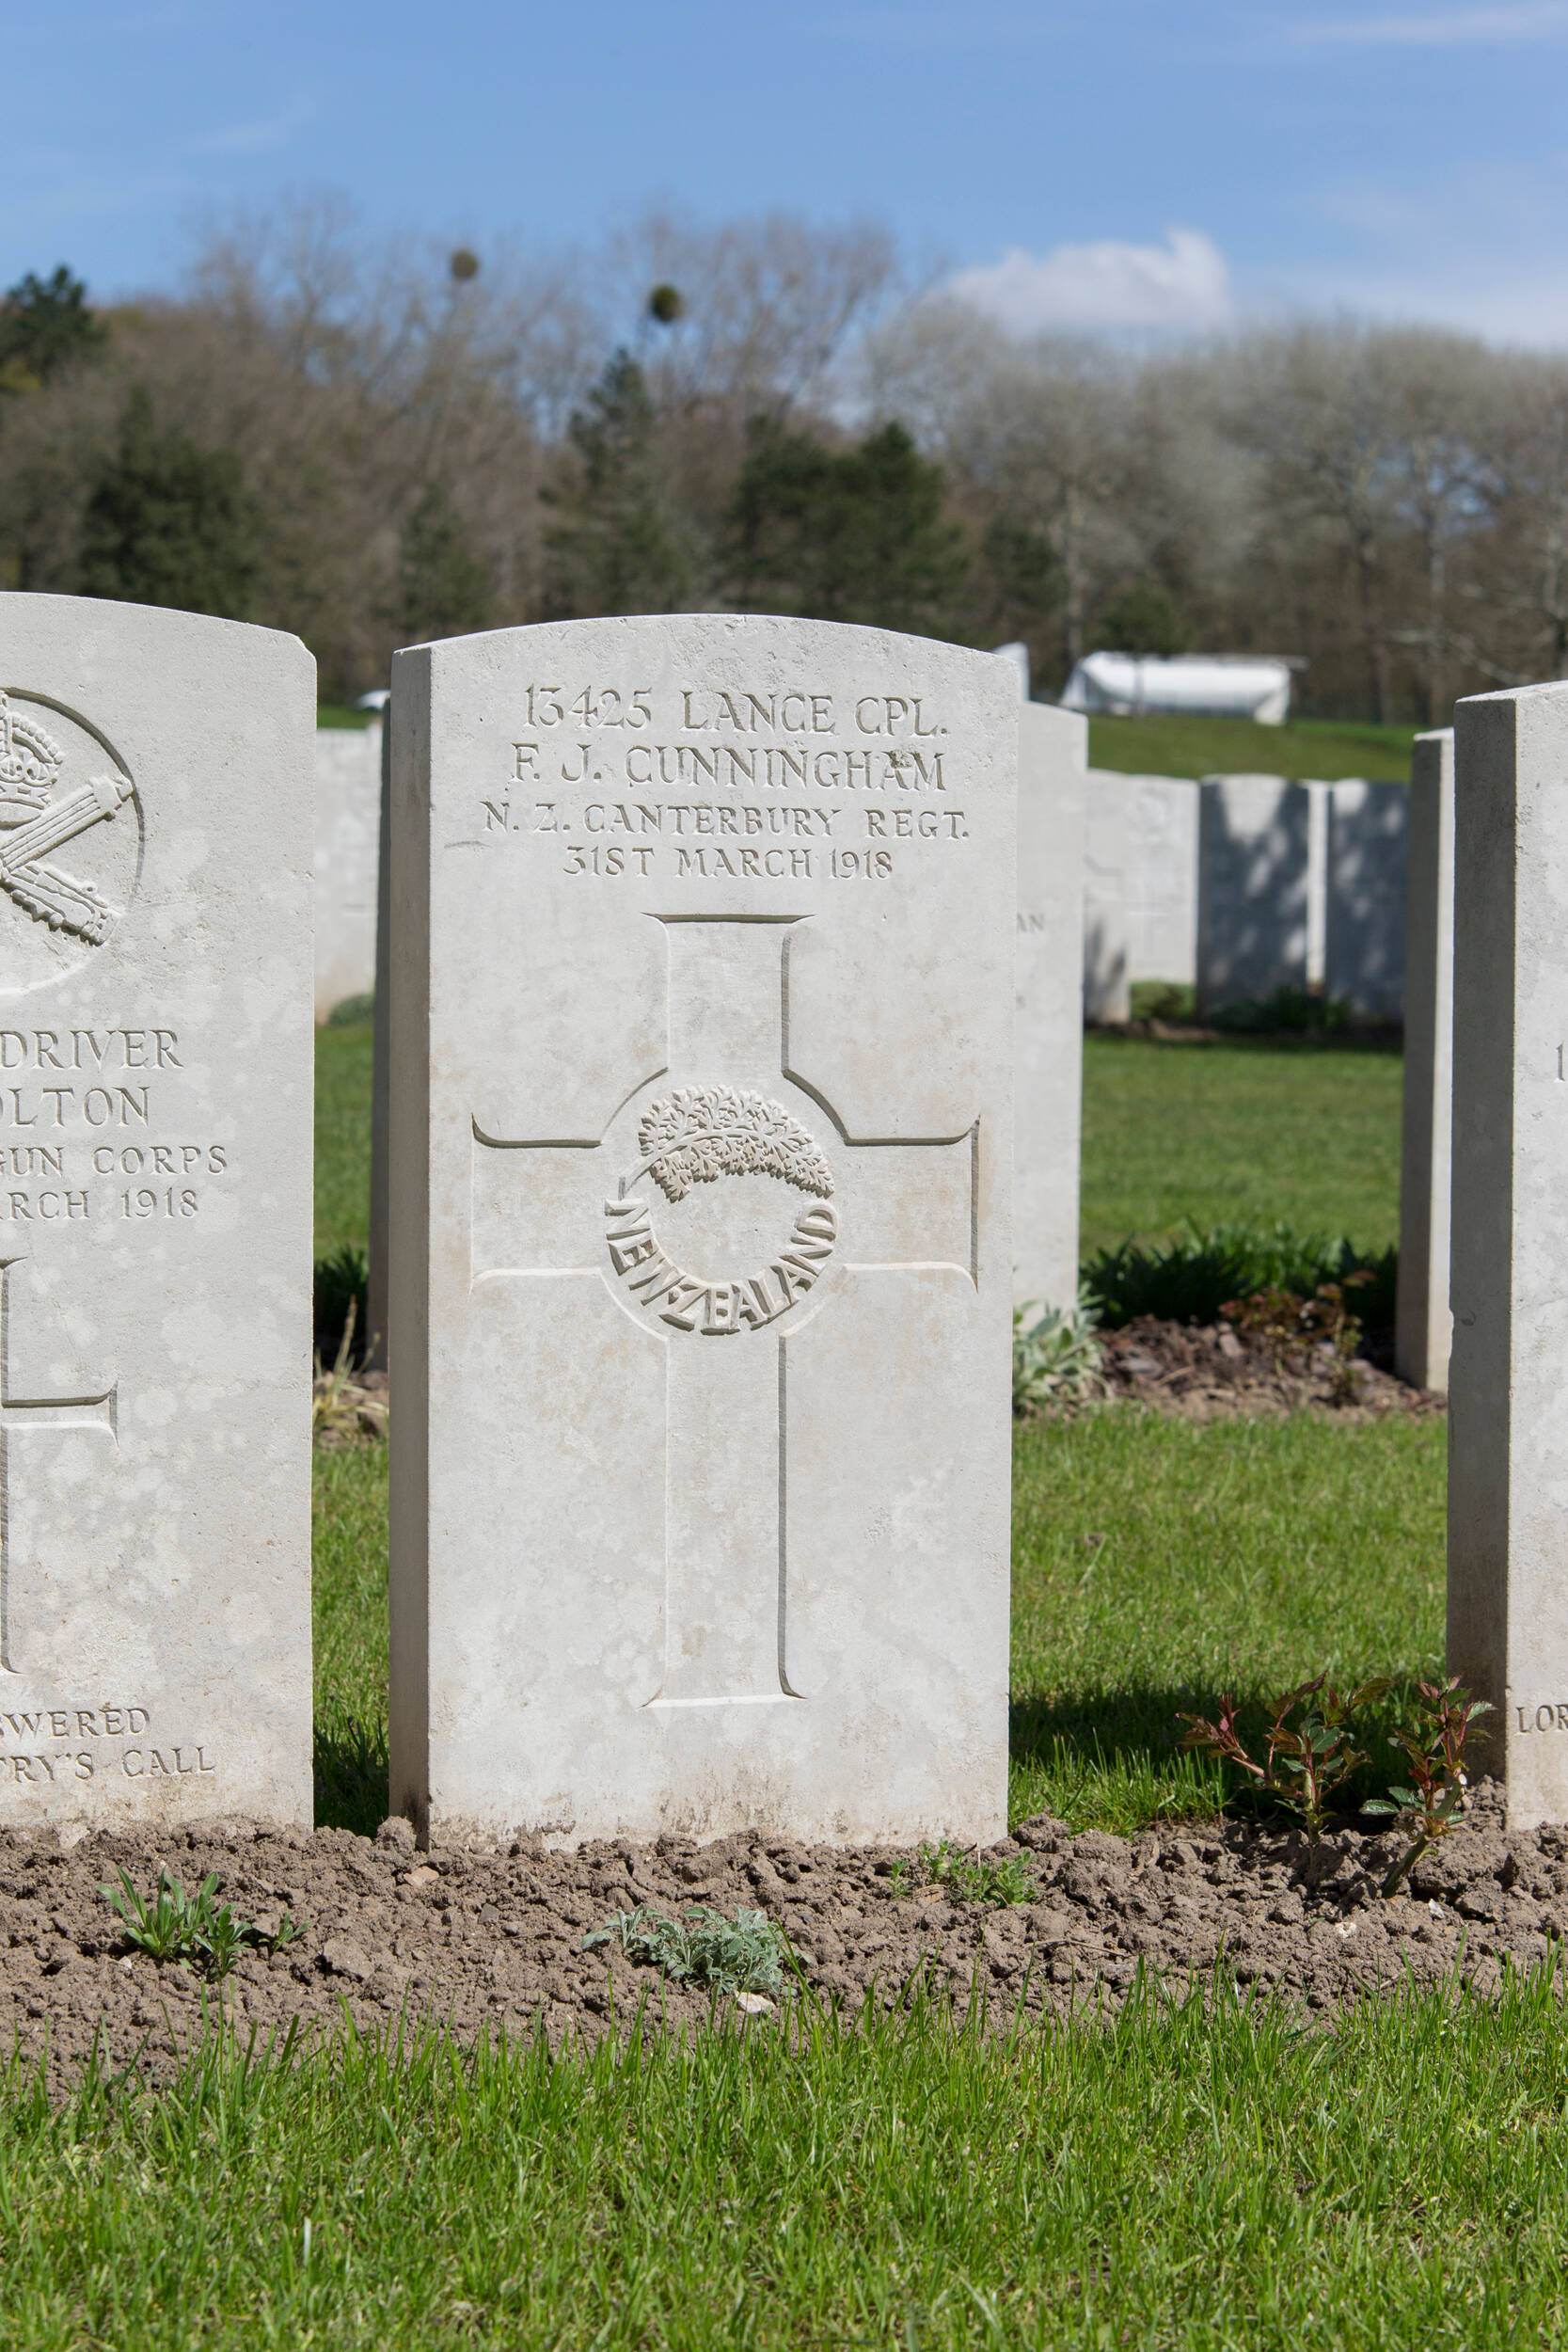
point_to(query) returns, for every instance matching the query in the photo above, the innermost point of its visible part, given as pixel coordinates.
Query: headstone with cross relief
(701, 1165)
(155, 1116)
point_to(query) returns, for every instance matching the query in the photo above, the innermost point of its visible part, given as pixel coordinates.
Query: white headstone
(348, 804)
(1369, 853)
(1107, 994)
(377, 1352)
(1252, 888)
(1423, 1320)
(157, 1045)
(1048, 1034)
(1508, 1428)
(1317, 879)
(700, 1479)
(1162, 878)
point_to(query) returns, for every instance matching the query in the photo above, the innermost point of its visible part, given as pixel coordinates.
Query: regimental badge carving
(60, 783)
(693, 1136)
(701, 1132)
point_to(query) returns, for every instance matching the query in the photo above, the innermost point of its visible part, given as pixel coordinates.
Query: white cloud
(255, 138)
(1525, 21)
(1184, 284)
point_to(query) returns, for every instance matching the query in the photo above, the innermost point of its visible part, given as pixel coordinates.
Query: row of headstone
(710, 938)
(707, 944)
(1243, 886)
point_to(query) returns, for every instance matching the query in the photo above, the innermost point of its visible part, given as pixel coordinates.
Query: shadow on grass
(351, 1774)
(1113, 1758)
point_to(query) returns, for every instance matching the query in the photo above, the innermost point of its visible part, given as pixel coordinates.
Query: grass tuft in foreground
(1211, 2177)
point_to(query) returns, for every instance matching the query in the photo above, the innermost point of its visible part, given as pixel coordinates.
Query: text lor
(717, 1310)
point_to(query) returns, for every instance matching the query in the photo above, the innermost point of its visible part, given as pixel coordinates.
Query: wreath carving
(698, 1134)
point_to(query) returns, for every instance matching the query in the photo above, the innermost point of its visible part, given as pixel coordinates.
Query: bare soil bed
(495, 1940)
(1207, 1372)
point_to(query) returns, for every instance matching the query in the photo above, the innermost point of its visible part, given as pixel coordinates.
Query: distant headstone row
(1241, 886)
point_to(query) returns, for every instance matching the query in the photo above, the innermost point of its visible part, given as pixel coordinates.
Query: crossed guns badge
(53, 897)
(31, 827)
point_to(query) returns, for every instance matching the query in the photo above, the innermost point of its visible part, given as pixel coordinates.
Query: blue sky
(1122, 163)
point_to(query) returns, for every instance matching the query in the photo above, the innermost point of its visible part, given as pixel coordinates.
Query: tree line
(370, 445)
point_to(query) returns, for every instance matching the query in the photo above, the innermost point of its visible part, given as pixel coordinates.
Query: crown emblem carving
(30, 760)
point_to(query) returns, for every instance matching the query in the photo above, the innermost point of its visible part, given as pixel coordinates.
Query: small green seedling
(1437, 1751)
(1304, 1762)
(195, 1930)
(966, 1881)
(702, 1950)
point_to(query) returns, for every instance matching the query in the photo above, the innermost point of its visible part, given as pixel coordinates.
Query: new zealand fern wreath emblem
(698, 1134)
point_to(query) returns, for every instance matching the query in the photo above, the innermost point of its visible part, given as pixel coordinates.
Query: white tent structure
(1225, 686)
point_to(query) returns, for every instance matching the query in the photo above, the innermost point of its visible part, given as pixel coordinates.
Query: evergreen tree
(854, 534)
(617, 547)
(169, 522)
(1024, 575)
(44, 324)
(1144, 618)
(444, 588)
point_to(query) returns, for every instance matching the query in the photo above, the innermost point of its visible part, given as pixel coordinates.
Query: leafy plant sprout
(1057, 1357)
(195, 1929)
(702, 1950)
(1436, 1751)
(1305, 1761)
(976, 1879)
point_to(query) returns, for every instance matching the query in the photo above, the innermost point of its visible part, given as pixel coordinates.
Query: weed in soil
(999, 1881)
(195, 1931)
(1437, 1751)
(703, 1951)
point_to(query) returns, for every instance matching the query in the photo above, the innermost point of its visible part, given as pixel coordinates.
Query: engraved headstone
(1253, 842)
(1507, 1429)
(1423, 1324)
(1049, 1026)
(700, 1178)
(1368, 862)
(155, 1212)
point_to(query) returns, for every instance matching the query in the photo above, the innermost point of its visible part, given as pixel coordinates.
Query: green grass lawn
(342, 1137)
(1305, 1136)
(1218, 2180)
(1324, 748)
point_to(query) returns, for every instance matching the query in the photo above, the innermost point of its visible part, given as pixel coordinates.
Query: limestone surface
(1423, 1329)
(1508, 1433)
(155, 1217)
(701, 1176)
(1252, 888)
(1049, 1026)
(348, 811)
(1368, 862)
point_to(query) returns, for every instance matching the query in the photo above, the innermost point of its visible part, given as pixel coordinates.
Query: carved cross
(848, 1210)
(23, 1415)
